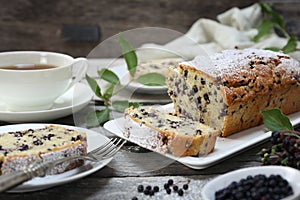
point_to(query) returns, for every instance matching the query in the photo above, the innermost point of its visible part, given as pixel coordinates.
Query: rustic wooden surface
(37, 25)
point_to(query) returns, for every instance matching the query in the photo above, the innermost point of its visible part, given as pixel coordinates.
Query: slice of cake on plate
(166, 132)
(21, 148)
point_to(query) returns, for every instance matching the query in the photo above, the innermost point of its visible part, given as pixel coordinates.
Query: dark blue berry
(151, 192)
(166, 185)
(140, 188)
(148, 187)
(134, 198)
(168, 190)
(180, 192)
(175, 188)
(170, 181)
(146, 192)
(156, 188)
(185, 186)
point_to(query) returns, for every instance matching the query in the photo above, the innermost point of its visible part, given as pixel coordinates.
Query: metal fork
(39, 169)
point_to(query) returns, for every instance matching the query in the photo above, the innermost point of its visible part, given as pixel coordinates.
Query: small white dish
(224, 148)
(290, 174)
(94, 140)
(122, 73)
(72, 101)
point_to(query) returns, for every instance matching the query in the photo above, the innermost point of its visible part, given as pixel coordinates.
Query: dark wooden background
(45, 24)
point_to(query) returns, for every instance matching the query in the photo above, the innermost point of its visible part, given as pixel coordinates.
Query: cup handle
(80, 73)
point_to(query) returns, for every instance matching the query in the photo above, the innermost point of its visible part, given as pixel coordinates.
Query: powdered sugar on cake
(231, 62)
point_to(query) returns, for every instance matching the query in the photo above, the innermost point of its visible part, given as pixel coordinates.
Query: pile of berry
(168, 186)
(256, 187)
(285, 149)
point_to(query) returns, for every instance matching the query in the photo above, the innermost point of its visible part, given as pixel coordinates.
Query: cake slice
(228, 90)
(22, 148)
(165, 132)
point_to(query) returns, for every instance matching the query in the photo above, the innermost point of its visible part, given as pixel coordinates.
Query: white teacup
(24, 89)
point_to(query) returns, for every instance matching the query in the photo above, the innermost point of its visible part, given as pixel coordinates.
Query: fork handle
(8, 181)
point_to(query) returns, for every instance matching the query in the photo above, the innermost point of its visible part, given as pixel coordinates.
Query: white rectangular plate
(224, 147)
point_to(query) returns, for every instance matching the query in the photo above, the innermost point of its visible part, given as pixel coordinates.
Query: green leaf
(120, 106)
(94, 86)
(274, 120)
(273, 49)
(152, 79)
(129, 55)
(98, 117)
(275, 17)
(134, 104)
(291, 45)
(265, 8)
(108, 92)
(263, 28)
(109, 76)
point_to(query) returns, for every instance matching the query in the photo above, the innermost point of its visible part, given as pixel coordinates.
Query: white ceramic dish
(290, 174)
(72, 101)
(224, 147)
(94, 140)
(122, 73)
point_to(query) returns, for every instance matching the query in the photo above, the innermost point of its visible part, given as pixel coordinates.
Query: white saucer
(72, 101)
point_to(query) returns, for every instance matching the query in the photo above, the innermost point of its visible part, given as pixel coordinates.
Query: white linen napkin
(234, 29)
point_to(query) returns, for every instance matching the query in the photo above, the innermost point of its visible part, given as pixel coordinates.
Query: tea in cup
(33, 80)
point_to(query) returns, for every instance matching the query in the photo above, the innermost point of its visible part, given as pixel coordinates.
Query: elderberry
(170, 182)
(180, 192)
(257, 187)
(140, 188)
(185, 186)
(285, 149)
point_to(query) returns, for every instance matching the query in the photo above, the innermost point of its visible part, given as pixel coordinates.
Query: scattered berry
(148, 187)
(140, 188)
(146, 192)
(185, 186)
(180, 192)
(170, 181)
(166, 185)
(175, 188)
(168, 190)
(151, 192)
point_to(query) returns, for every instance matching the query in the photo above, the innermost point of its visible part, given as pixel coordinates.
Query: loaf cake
(157, 66)
(228, 90)
(165, 132)
(22, 148)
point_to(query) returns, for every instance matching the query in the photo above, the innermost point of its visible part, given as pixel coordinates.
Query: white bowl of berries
(263, 182)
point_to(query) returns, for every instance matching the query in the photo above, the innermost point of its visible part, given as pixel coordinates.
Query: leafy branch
(99, 117)
(274, 21)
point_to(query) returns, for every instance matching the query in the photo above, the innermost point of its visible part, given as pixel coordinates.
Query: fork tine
(104, 146)
(111, 149)
(115, 150)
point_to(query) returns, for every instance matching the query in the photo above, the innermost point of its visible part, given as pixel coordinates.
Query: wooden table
(120, 178)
